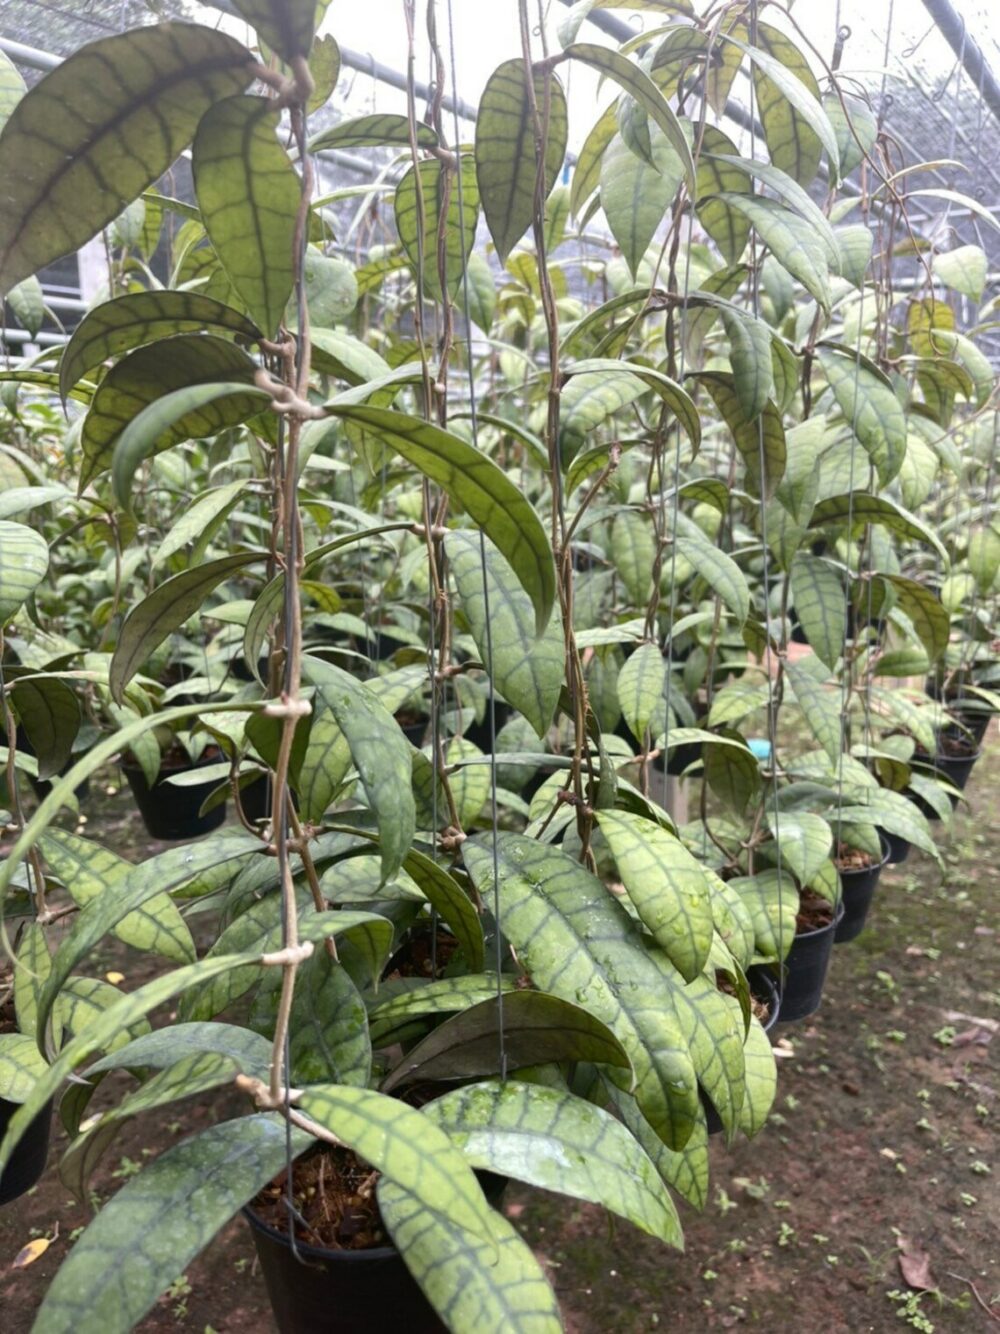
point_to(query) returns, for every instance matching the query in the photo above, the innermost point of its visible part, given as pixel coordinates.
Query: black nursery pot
(345, 1292)
(806, 966)
(857, 889)
(899, 848)
(955, 769)
(28, 1160)
(974, 720)
(762, 985)
(172, 812)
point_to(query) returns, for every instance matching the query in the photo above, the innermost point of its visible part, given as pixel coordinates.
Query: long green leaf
(575, 941)
(666, 884)
(860, 508)
(146, 375)
(473, 481)
(871, 410)
(164, 611)
(492, 1284)
(248, 194)
(158, 1222)
(517, 1029)
(818, 597)
(505, 148)
(71, 163)
(24, 561)
(142, 434)
(791, 240)
(526, 671)
(129, 321)
(287, 26)
(559, 1142)
(640, 690)
(760, 440)
(427, 199)
(373, 131)
(49, 711)
(636, 195)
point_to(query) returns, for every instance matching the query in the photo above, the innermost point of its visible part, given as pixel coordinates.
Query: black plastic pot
(975, 720)
(954, 769)
(172, 812)
(805, 971)
(28, 1160)
(345, 1292)
(764, 987)
(899, 848)
(857, 890)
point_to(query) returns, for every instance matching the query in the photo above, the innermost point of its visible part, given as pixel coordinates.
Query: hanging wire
(491, 700)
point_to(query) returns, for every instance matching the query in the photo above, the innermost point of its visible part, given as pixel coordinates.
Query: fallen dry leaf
(27, 1255)
(915, 1266)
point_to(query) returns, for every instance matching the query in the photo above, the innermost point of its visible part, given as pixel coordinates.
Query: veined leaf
(28, 304)
(733, 774)
(89, 871)
(535, 1028)
(49, 711)
(248, 194)
(818, 595)
(794, 196)
(21, 1066)
(71, 163)
(728, 229)
(145, 431)
(329, 1039)
(719, 571)
(473, 481)
(436, 200)
(164, 611)
(821, 706)
(856, 128)
(201, 518)
(871, 410)
(930, 619)
(372, 131)
(24, 561)
(803, 841)
(287, 26)
(639, 85)
(505, 148)
(527, 671)
(963, 269)
(157, 1223)
(984, 555)
(640, 689)
(677, 399)
(760, 441)
(860, 508)
(129, 321)
(492, 1284)
(554, 1140)
(446, 995)
(636, 195)
(405, 1146)
(667, 886)
(380, 753)
(146, 375)
(713, 1023)
(760, 1079)
(791, 240)
(576, 942)
(587, 172)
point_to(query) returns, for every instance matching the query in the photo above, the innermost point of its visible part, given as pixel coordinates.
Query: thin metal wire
(491, 704)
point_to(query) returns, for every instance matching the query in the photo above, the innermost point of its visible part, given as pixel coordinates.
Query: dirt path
(885, 1134)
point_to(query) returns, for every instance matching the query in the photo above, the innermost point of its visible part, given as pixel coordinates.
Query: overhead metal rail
(954, 30)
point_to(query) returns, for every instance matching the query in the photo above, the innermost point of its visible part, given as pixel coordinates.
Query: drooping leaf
(373, 131)
(666, 884)
(21, 1066)
(527, 671)
(428, 198)
(819, 598)
(791, 240)
(733, 774)
(929, 617)
(287, 26)
(640, 86)
(636, 195)
(446, 995)
(381, 755)
(248, 194)
(728, 229)
(719, 571)
(820, 705)
(200, 518)
(158, 1222)
(640, 689)
(129, 321)
(165, 610)
(587, 172)
(871, 409)
(855, 127)
(24, 561)
(72, 160)
(473, 481)
(963, 269)
(331, 287)
(146, 430)
(27, 303)
(803, 841)
(505, 148)
(49, 711)
(554, 1140)
(88, 871)
(576, 942)
(858, 508)
(329, 1040)
(713, 1024)
(760, 441)
(491, 1284)
(151, 372)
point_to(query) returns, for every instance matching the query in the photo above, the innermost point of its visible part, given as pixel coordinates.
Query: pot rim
(318, 1252)
(818, 930)
(875, 866)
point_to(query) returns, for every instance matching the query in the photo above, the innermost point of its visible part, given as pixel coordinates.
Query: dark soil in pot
(809, 957)
(169, 811)
(765, 1003)
(347, 1277)
(859, 875)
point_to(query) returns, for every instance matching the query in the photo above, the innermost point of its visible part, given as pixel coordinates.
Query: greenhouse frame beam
(954, 30)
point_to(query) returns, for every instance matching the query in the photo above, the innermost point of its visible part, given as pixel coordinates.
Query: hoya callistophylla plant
(603, 428)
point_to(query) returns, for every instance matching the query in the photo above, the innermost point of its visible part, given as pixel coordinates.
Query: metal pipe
(953, 29)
